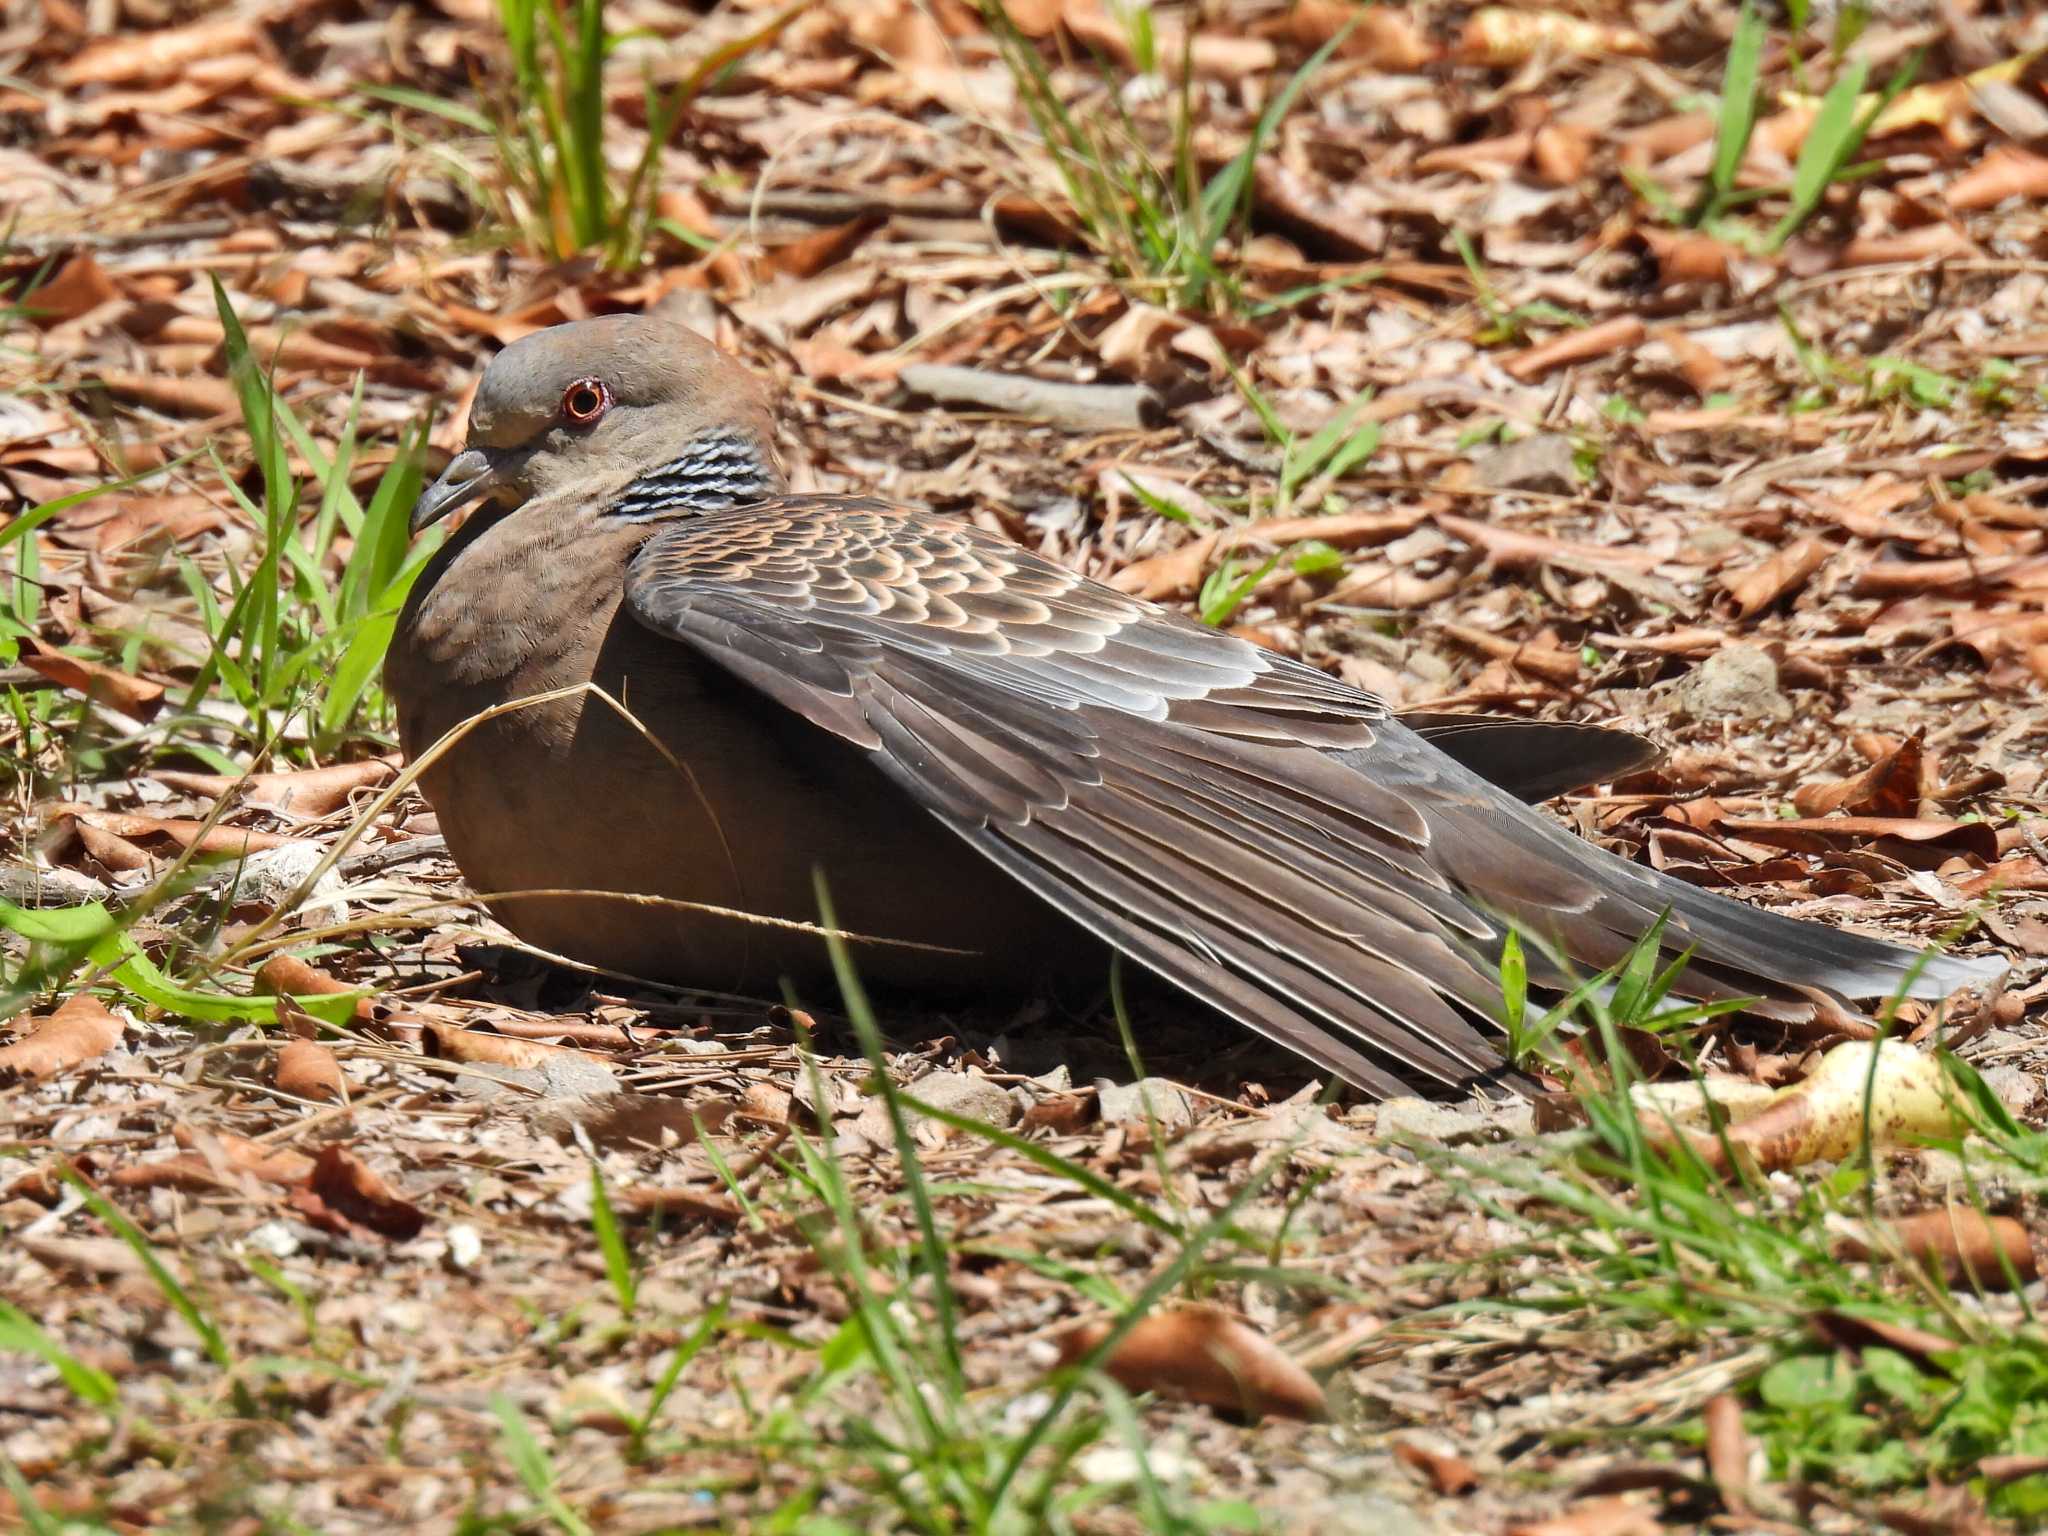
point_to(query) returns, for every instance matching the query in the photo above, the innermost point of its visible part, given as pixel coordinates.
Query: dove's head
(636, 414)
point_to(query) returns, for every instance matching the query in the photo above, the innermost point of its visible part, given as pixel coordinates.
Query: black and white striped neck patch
(721, 469)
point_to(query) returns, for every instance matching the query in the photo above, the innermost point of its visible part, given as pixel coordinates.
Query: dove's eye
(584, 401)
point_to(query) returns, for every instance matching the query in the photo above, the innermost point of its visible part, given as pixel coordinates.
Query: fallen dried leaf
(307, 1070)
(1784, 573)
(344, 1194)
(1620, 334)
(161, 52)
(1503, 38)
(1728, 1452)
(1384, 36)
(1684, 256)
(76, 1031)
(78, 287)
(96, 680)
(1817, 834)
(1969, 1248)
(235, 842)
(274, 1165)
(1449, 1475)
(1546, 663)
(1856, 1332)
(1618, 1516)
(1208, 1355)
(2005, 172)
(1889, 787)
(309, 792)
(813, 253)
(452, 1043)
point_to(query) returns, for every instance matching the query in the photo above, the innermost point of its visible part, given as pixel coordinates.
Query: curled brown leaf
(1207, 1355)
(79, 1029)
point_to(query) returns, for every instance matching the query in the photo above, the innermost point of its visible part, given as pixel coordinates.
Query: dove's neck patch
(721, 469)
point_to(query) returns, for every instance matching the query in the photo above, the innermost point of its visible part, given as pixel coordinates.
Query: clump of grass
(1160, 225)
(893, 1427)
(1633, 1231)
(295, 645)
(554, 186)
(1827, 157)
(291, 639)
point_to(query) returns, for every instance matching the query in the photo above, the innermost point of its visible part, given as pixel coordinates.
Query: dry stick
(1078, 407)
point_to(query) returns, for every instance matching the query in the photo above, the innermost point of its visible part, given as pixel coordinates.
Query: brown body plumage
(983, 751)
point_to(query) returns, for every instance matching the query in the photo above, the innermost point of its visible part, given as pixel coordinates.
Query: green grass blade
(611, 1243)
(173, 1289)
(1737, 121)
(23, 1335)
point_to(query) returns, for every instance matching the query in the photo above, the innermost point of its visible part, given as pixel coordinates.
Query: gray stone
(1737, 682)
(1543, 461)
(962, 1093)
(567, 1076)
(2016, 1087)
(1448, 1125)
(1121, 1103)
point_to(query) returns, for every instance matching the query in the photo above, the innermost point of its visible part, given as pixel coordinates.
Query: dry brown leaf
(1621, 334)
(181, 1170)
(1515, 547)
(95, 679)
(1685, 256)
(1728, 1452)
(1617, 1516)
(75, 1032)
(160, 54)
(1930, 242)
(308, 792)
(453, 1043)
(1817, 834)
(1545, 663)
(663, 1202)
(307, 1070)
(1208, 1355)
(1969, 1247)
(186, 396)
(1061, 1114)
(1386, 37)
(1503, 38)
(1559, 152)
(828, 247)
(1449, 1475)
(1179, 571)
(216, 840)
(274, 1165)
(344, 1195)
(1035, 18)
(1483, 157)
(1890, 787)
(111, 852)
(1855, 1333)
(1703, 371)
(1667, 136)
(1784, 573)
(289, 976)
(2006, 172)
(78, 287)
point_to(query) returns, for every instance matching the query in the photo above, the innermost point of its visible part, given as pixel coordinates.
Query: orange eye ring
(584, 401)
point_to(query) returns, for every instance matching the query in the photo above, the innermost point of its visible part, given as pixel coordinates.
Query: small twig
(1077, 407)
(114, 240)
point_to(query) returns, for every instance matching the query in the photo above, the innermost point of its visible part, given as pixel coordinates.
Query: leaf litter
(1623, 446)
